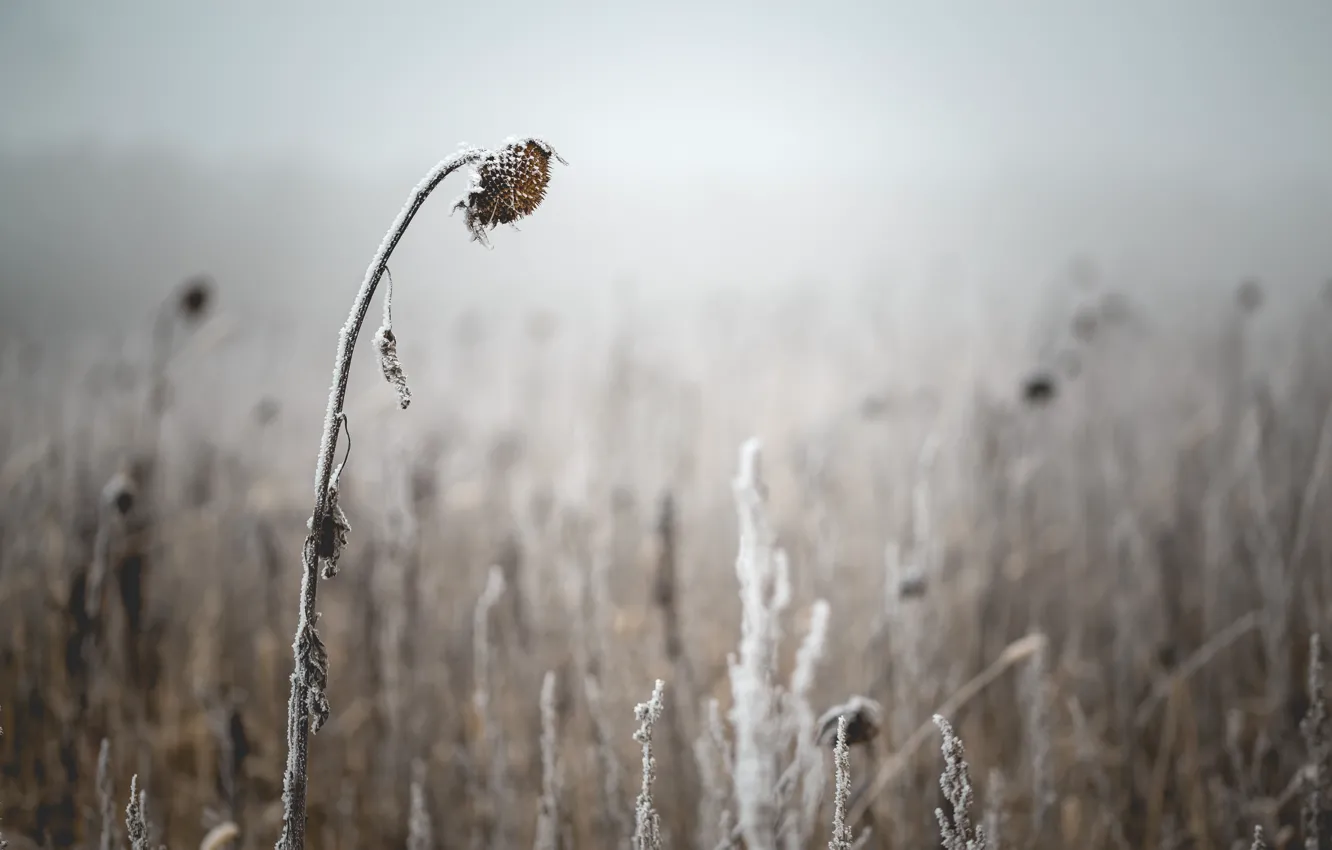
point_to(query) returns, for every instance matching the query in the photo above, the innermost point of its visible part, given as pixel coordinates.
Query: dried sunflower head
(508, 184)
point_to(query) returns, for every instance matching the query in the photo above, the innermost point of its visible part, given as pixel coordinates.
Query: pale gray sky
(709, 143)
(768, 88)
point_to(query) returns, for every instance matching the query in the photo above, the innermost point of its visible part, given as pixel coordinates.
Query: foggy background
(962, 151)
(970, 272)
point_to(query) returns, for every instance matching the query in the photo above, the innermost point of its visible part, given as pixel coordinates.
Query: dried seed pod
(1039, 389)
(195, 296)
(508, 184)
(864, 718)
(912, 584)
(120, 493)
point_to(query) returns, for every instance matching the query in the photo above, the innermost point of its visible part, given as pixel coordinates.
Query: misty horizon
(711, 148)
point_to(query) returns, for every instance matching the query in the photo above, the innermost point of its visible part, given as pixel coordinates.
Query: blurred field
(1143, 485)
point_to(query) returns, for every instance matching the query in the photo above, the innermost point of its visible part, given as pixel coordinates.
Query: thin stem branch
(295, 780)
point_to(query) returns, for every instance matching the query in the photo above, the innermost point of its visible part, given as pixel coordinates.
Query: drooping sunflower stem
(522, 165)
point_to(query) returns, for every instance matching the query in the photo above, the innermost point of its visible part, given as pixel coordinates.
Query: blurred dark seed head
(1039, 389)
(1249, 296)
(864, 718)
(194, 297)
(1116, 309)
(266, 411)
(509, 183)
(1085, 324)
(912, 585)
(119, 494)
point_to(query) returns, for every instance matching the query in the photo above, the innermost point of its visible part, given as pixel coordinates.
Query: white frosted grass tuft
(420, 835)
(548, 813)
(607, 761)
(481, 639)
(806, 770)
(841, 832)
(136, 826)
(761, 570)
(647, 823)
(811, 651)
(715, 769)
(956, 828)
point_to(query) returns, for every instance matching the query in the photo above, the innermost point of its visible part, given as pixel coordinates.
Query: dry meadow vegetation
(578, 607)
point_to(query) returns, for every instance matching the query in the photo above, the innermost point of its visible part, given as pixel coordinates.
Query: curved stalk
(295, 779)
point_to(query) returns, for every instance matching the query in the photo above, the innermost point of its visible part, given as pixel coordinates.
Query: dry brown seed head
(912, 585)
(864, 717)
(195, 295)
(509, 183)
(1039, 389)
(119, 493)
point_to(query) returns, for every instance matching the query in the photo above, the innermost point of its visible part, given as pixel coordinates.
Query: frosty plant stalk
(506, 185)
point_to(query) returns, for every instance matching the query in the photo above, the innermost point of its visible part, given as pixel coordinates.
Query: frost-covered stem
(420, 835)
(617, 822)
(1036, 696)
(841, 833)
(548, 810)
(956, 827)
(105, 797)
(3, 843)
(761, 570)
(294, 780)
(1314, 730)
(807, 765)
(490, 736)
(647, 823)
(136, 824)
